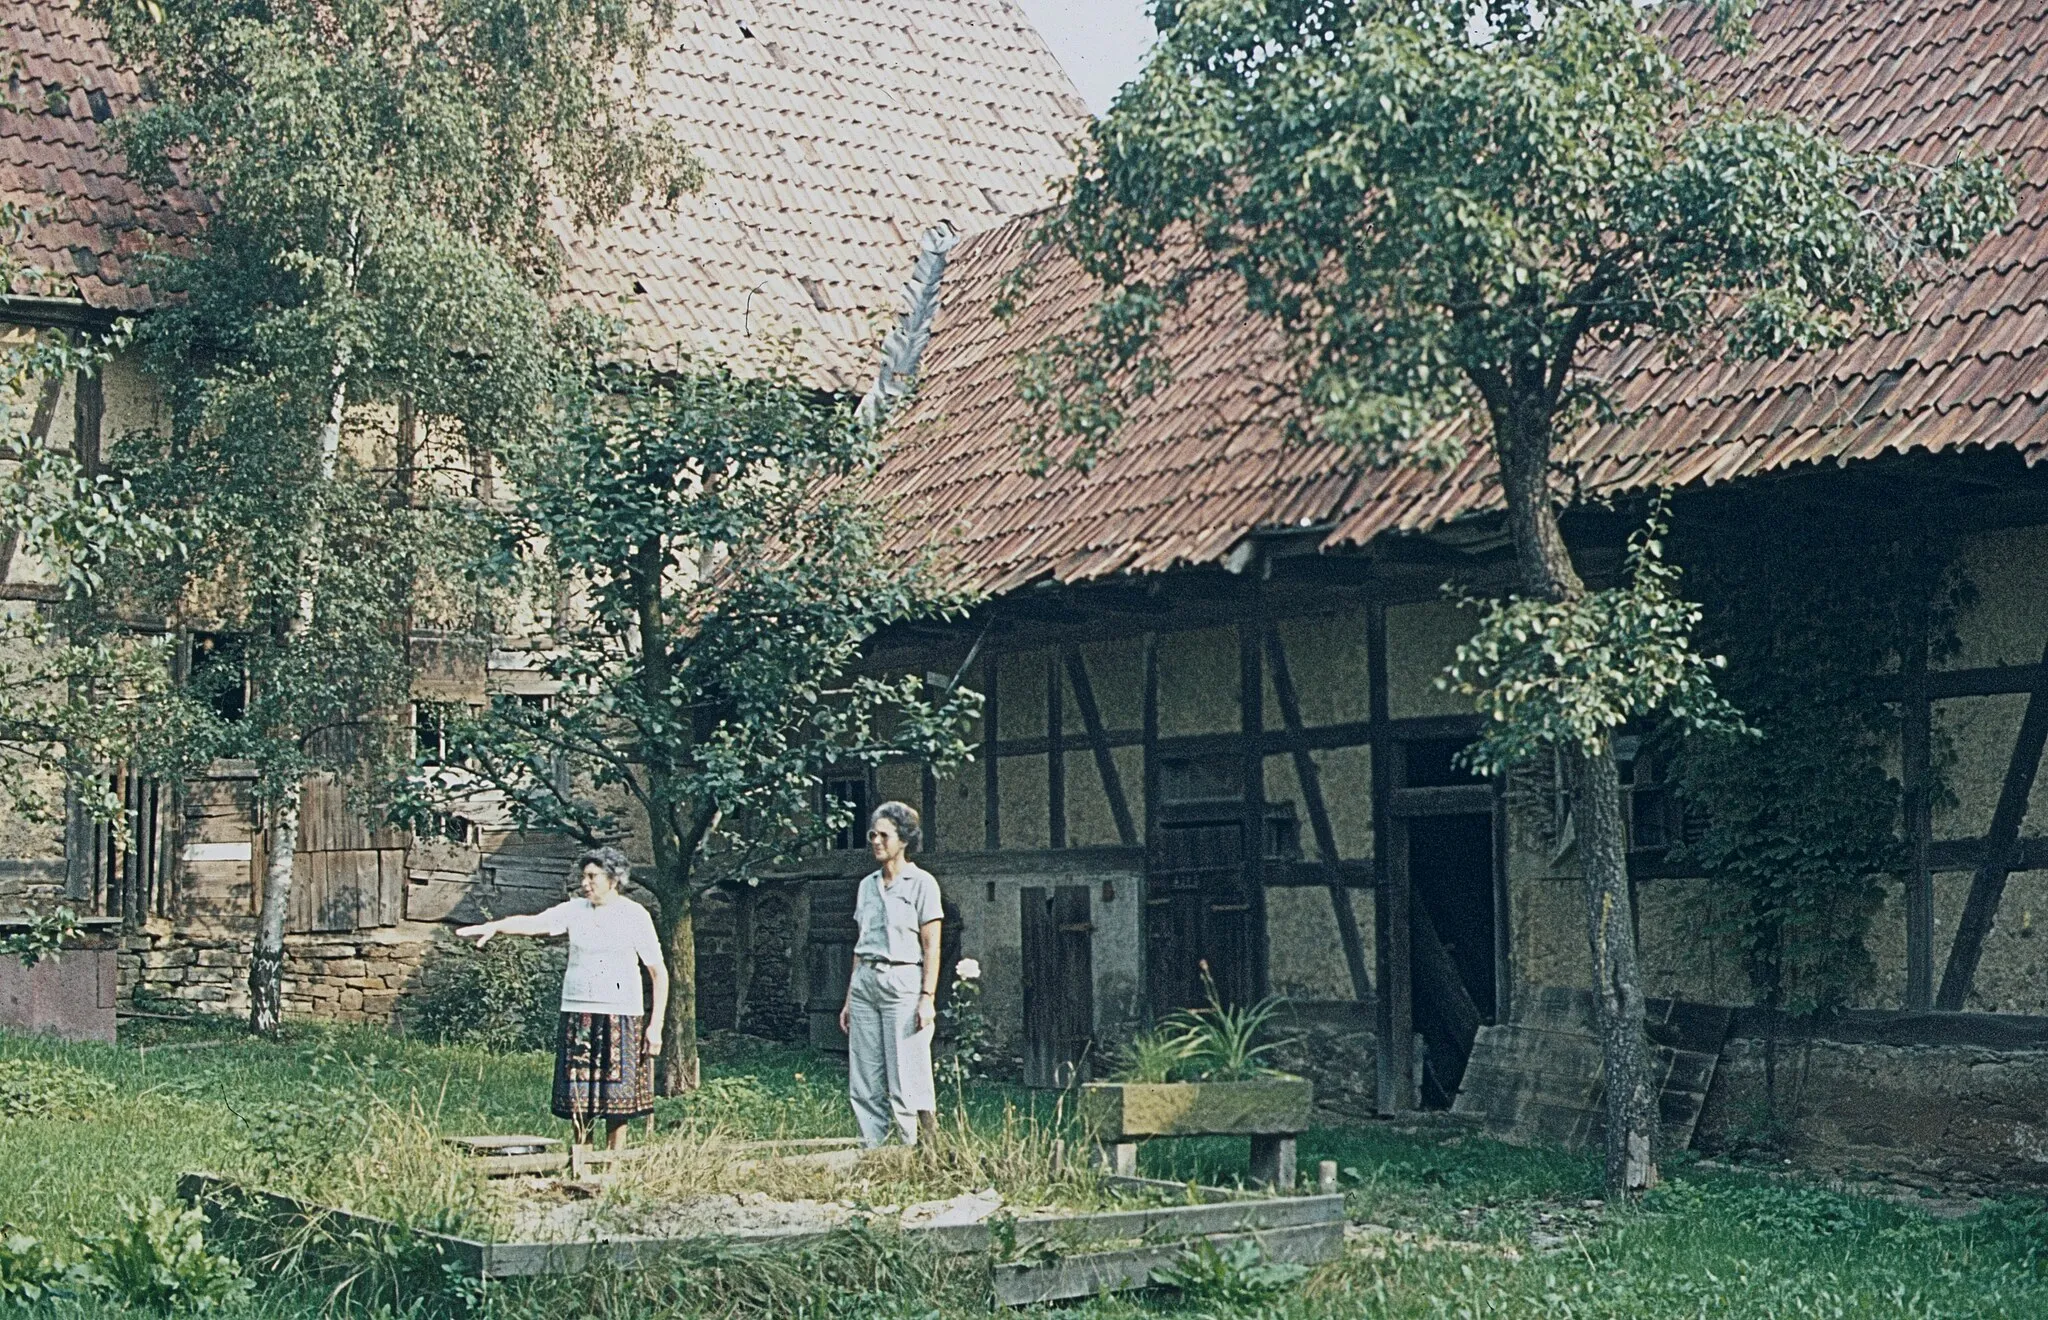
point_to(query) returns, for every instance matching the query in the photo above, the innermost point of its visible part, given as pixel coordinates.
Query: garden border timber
(1298, 1229)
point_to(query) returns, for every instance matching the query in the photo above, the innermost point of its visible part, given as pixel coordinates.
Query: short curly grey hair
(904, 817)
(609, 860)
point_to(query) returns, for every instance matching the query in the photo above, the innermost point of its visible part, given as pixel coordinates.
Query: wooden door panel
(1059, 984)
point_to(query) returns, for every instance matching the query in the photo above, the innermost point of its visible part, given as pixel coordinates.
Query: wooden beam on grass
(1987, 886)
(1311, 779)
(1098, 739)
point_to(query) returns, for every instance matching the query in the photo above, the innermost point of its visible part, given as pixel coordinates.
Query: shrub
(158, 1259)
(505, 996)
(35, 1088)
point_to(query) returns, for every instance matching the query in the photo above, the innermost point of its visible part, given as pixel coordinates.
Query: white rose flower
(967, 969)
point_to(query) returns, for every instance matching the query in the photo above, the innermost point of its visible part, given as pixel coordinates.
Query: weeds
(35, 1088)
(1214, 1043)
(1233, 1274)
(158, 1260)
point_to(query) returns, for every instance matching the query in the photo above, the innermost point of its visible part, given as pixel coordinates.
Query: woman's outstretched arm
(537, 924)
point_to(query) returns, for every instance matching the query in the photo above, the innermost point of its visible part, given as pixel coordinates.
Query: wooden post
(1055, 756)
(1916, 713)
(1987, 886)
(1098, 738)
(1394, 1015)
(1149, 732)
(991, 782)
(1306, 771)
(1251, 696)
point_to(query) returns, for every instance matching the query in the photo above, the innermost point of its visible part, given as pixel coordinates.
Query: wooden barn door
(828, 959)
(346, 876)
(1059, 984)
(1197, 910)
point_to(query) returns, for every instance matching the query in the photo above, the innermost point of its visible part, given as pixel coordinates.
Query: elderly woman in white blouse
(890, 1000)
(609, 1037)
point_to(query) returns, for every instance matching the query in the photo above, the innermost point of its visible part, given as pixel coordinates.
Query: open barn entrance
(1456, 950)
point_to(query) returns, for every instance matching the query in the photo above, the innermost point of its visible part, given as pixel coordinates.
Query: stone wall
(339, 978)
(1969, 1114)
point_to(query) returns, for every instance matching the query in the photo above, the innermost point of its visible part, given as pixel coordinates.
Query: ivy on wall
(1798, 830)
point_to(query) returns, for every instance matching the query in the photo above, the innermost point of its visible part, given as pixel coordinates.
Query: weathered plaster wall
(1198, 683)
(1421, 640)
(2008, 624)
(986, 887)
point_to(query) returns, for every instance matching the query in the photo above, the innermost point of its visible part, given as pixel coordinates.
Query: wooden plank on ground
(1031, 1283)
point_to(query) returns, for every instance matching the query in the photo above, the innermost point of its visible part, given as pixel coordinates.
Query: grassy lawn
(1444, 1225)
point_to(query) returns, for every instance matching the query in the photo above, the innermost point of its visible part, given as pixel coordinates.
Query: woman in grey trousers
(890, 999)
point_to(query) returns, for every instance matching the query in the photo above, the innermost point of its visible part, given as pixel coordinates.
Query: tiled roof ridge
(1205, 462)
(834, 133)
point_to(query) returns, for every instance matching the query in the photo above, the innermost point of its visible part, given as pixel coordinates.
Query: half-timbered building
(1214, 736)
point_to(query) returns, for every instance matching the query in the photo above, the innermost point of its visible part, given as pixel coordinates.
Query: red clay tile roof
(833, 131)
(88, 220)
(1205, 463)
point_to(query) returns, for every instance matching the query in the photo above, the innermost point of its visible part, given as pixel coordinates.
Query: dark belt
(886, 962)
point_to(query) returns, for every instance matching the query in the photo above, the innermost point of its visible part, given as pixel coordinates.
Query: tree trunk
(1523, 444)
(1617, 988)
(266, 960)
(679, 1073)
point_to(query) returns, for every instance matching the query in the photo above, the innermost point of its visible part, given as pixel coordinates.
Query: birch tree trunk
(266, 961)
(1545, 565)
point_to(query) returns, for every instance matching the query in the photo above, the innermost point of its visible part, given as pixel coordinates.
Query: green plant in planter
(1151, 1056)
(1214, 1043)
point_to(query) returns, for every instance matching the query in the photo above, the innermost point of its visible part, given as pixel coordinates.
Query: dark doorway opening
(1454, 949)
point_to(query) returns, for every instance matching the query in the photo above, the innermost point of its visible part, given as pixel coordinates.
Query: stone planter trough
(1272, 1111)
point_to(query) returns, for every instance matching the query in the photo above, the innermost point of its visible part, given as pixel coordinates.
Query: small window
(852, 793)
(220, 673)
(1657, 817)
(1283, 834)
(432, 726)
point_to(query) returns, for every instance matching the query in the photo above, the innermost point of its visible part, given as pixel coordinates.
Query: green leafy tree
(729, 568)
(1450, 208)
(360, 325)
(73, 696)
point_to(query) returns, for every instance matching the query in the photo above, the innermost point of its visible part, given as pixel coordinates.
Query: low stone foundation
(1957, 1116)
(339, 978)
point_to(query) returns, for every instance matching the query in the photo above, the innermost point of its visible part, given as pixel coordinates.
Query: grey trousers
(889, 1061)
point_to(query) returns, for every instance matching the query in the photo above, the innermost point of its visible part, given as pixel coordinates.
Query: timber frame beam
(2001, 848)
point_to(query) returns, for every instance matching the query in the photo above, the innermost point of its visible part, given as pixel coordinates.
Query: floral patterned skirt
(602, 1069)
